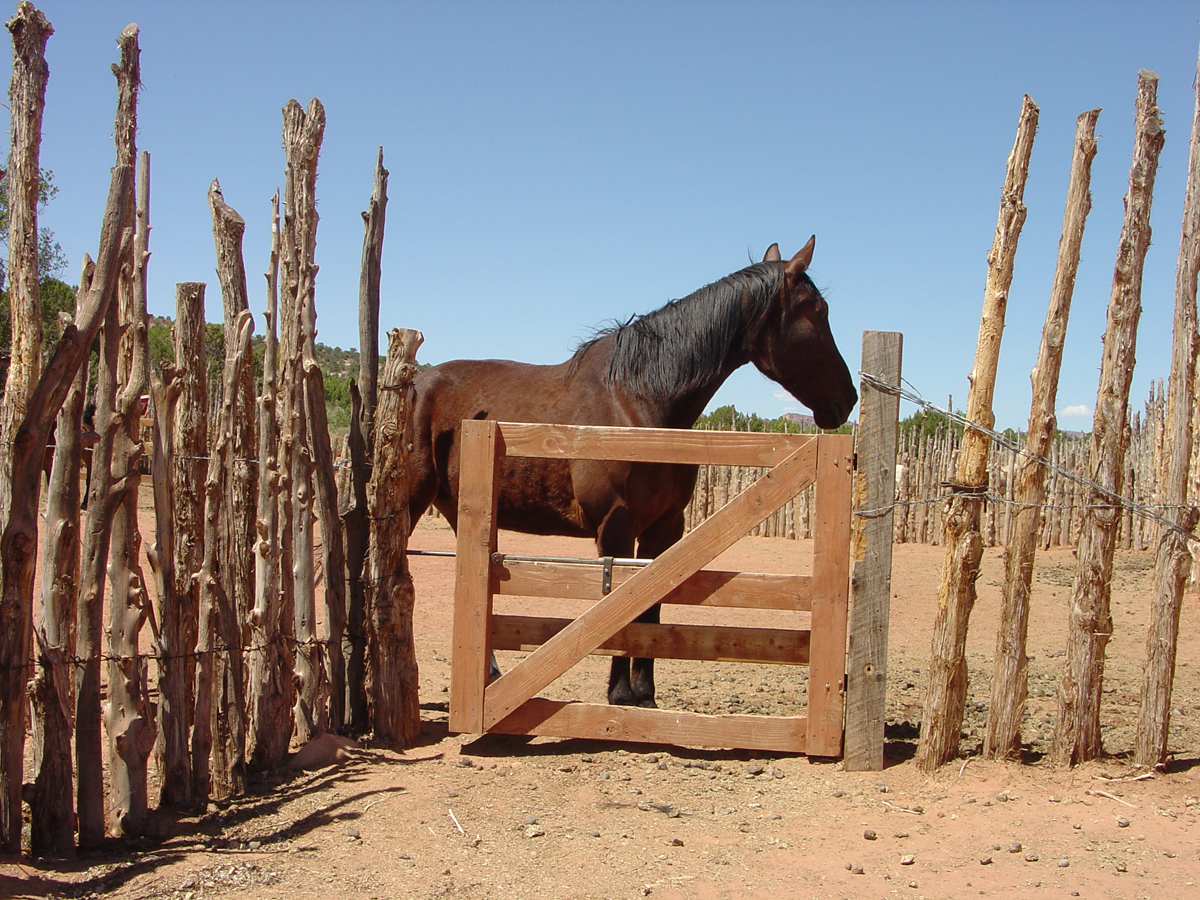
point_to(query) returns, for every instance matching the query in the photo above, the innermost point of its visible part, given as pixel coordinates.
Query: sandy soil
(497, 817)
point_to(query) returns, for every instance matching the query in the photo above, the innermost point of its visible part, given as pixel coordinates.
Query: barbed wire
(79, 661)
(1114, 499)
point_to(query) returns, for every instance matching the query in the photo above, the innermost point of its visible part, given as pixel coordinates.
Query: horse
(659, 370)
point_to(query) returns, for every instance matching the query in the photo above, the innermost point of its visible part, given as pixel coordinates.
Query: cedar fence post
(1077, 735)
(871, 581)
(395, 713)
(188, 470)
(269, 690)
(129, 717)
(942, 718)
(1174, 558)
(1009, 680)
(364, 398)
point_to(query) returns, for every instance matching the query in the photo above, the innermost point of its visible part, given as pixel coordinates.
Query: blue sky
(556, 166)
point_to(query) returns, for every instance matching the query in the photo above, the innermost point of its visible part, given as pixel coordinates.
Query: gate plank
(708, 587)
(831, 586)
(655, 726)
(481, 449)
(722, 643)
(712, 537)
(661, 445)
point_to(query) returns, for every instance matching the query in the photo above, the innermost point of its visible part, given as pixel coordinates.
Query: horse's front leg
(652, 542)
(615, 538)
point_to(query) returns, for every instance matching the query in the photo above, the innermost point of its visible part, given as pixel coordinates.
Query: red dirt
(498, 817)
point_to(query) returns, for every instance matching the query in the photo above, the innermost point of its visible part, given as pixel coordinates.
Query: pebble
(593, 834)
(900, 834)
(532, 831)
(755, 770)
(870, 835)
(1121, 867)
(531, 820)
(1031, 857)
(254, 845)
(675, 842)
(907, 860)
(1063, 863)
(1014, 847)
(1122, 822)
(352, 833)
(985, 860)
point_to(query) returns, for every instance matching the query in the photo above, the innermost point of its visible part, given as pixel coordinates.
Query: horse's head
(794, 346)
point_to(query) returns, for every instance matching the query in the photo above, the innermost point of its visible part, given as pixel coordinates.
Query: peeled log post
(1174, 558)
(364, 397)
(1077, 736)
(53, 806)
(1010, 676)
(218, 769)
(942, 718)
(241, 490)
(269, 690)
(303, 131)
(20, 535)
(332, 546)
(396, 714)
(188, 464)
(171, 750)
(27, 101)
(129, 717)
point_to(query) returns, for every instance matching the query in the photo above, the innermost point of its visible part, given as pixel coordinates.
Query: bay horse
(656, 370)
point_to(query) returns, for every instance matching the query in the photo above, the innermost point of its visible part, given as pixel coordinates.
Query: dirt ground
(499, 817)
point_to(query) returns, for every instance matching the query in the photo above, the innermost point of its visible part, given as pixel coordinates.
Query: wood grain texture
(831, 586)
(871, 585)
(665, 573)
(623, 723)
(722, 643)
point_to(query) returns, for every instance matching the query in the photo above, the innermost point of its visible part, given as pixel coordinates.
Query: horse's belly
(537, 497)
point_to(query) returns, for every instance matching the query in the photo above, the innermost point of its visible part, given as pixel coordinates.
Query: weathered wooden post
(364, 397)
(183, 415)
(1174, 558)
(396, 714)
(303, 131)
(241, 491)
(269, 692)
(871, 581)
(1077, 735)
(1009, 680)
(129, 717)
(218, 736)
(942, 718)
(27, 100)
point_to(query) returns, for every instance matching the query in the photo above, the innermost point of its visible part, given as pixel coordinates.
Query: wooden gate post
(472, 588)
(871, 583)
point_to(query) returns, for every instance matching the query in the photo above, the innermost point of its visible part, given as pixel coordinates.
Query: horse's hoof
(648, 703)
(622, 699)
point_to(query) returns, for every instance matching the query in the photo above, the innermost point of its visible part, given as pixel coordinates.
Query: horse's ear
(800, 261)
(772, 254)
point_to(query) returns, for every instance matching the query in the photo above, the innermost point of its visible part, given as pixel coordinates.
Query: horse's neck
(683, 409)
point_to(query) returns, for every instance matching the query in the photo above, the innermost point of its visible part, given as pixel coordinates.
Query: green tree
(51, 259)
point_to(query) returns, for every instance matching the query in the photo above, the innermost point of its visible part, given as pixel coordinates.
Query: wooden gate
(622, 592)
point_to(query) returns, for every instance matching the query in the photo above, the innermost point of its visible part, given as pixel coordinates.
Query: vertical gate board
(482, 447)
(866, 661)
(670, 569)
(831, 581)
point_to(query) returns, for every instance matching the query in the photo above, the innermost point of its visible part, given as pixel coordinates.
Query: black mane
(683, 345)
